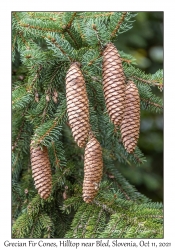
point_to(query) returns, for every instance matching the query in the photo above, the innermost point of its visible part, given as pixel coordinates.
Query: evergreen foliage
(43, 45)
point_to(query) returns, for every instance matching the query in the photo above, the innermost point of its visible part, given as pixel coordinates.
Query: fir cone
(93, 169)
(113, 83)
(77, 105)
(130, 125)
(41, 171)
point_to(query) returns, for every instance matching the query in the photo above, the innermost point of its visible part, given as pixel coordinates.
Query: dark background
(145, 42)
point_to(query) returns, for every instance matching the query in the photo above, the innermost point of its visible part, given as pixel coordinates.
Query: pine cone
(41, 171)
(93, 169)
(77, 105)
(113, 83)
(130, 125)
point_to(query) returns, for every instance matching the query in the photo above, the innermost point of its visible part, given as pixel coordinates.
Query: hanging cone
(130, 125)
(77, 105)
(41, 171)
(93, 169)
(113, 83)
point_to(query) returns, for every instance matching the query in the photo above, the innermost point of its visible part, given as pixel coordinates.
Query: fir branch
(14, 145)
(58, 158)
(125, 216)
(92, 61)
(97, 222)
(148, 102)
(16, 190)
(71, 36)
(71, 20)
(118, 152)
(50, 130)
(38, 28)
(46, 16)
(30, 86)
(16, 166)
(21, 34)
(14, 42)
(72, 202)
(48, 127)
(124, 57)
(103, 206)
(126, 60)
(20, 98)
(122, 190)
(52, 40)
(87, 223)
(97, 15)
(114, 32)
(151, 82)
(122, 214)
(57, 161)
(33, 227)
(54, 74)
(120, 183)
(140, 77)
(140, 161)
(79, 29)
(58, 12)
(44, 114)
(97, 35)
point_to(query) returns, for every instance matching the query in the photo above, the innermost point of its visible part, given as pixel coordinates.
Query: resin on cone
(113, 83)
(41, 170)
(93, 169)
(77, 104)
(130, 125)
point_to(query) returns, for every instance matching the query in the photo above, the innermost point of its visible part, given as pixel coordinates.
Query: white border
(5, 96)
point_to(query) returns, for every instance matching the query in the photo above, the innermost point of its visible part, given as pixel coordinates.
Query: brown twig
(23, 39)
(126, 60)
(68, 26)
(70, 22)
(152, 82)
(70, 34)
(25, 25)
(93, 60)
(29, 88)
(121, 189)
(152, 103)
(55, 123)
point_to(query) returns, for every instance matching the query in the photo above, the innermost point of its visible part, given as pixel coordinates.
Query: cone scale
(130, 125)
(41, 171)
(93, 169)
(113, 83)
(77, 104)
